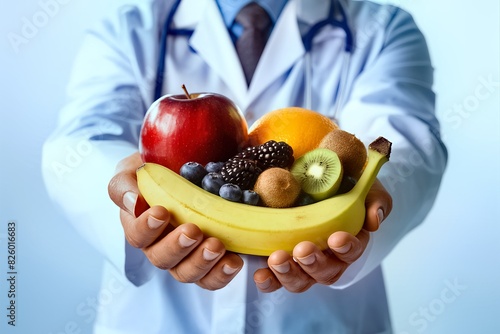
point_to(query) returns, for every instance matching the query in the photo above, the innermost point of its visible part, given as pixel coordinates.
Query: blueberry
(212, 182)
(193, 172)
(214, 167)
(304, 199)
(250, 197)
(230, 192)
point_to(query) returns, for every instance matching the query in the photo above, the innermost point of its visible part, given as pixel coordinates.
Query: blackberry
(242, 172)
(270, 154)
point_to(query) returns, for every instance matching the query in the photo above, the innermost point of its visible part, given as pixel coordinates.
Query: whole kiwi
(277, 188)
(350, 150)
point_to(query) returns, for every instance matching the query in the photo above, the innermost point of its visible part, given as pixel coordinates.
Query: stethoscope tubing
(307, 40)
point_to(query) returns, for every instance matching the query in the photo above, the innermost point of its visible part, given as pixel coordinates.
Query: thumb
(378, 206)
(122, 188)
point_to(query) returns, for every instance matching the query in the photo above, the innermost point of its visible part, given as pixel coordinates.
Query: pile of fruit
(234, 179)
(198, 145)
(268, 174)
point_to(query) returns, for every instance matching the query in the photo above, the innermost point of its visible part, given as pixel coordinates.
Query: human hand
(184, 251)
(309, 265)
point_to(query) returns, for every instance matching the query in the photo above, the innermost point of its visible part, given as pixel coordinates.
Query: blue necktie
(256, 25)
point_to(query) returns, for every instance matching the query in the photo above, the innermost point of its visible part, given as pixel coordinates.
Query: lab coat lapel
(219, 52)
(282, 51)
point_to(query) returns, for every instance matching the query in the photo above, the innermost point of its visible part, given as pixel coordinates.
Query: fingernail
(186, 241)
(154, 223)
(307, 260)
(129, 200)
(208, 255)
(281, 268)
(228, 270)
(380, 216)
(264, 285)
(344, 249)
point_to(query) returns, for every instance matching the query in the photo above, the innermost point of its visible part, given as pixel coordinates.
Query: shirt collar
(230, 8)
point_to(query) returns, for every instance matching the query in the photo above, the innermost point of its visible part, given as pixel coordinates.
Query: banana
(258, 230)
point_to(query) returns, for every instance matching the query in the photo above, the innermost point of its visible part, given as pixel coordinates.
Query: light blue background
(457, 244)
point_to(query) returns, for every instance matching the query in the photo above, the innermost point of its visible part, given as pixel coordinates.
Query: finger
(265, 280)
(346, 247)
(289, 273)
(122, 188)
(199, 262)
(141, 232)
(378, 205)
(172, 248)
(222, 273)
(322, 266)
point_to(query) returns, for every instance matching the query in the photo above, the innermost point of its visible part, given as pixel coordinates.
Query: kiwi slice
(319, 173)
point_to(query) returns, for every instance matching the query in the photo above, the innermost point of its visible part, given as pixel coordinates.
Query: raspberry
(242, 172)
(270, 154)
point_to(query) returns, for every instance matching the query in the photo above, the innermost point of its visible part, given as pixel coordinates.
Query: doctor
(374, 78)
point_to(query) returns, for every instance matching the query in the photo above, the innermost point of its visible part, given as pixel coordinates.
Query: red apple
(199, 127)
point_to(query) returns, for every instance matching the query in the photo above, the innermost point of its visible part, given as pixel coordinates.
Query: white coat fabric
(388, 92)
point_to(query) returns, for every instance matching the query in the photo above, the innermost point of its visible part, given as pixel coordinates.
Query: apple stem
(186, 91)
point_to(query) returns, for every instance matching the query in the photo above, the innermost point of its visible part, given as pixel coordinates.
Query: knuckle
(158, 261)
(213, 283)
(182, 276)
(349, 258)
(332, 277)
(134, 241)
(298, 288)
(201, 267)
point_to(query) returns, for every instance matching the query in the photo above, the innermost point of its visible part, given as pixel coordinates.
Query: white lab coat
(388, 92)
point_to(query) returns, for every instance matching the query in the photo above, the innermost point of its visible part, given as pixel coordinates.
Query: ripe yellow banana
(257, 230)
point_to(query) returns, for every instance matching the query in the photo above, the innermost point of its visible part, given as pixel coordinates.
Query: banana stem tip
(382, 146)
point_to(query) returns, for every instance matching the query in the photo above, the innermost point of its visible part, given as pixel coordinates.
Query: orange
(301, 128)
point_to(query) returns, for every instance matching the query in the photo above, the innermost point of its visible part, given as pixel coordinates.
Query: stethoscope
(307, 40)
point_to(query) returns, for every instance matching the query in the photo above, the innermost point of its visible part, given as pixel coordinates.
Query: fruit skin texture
(214, 167)
(207, 127)
(270, 154)
(259, 230)
(300, 128)
(230, 192)
(241, 172)
(277, 188)
(212, 182)
(319, 158)
(351, 151)
(193, 172)
(250, 197)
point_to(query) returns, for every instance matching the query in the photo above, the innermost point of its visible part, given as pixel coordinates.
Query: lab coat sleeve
(392, 97)
(99, 126)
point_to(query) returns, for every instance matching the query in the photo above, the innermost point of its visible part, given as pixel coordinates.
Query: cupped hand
(309, 265)
(184, 251)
